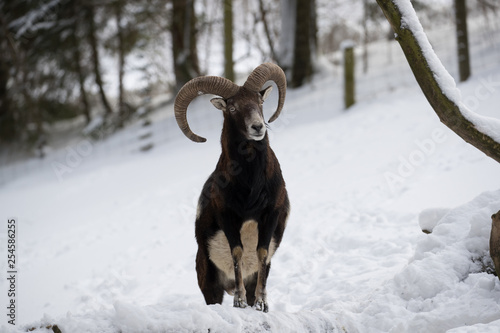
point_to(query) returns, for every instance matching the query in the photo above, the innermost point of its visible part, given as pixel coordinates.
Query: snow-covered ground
(106, 236)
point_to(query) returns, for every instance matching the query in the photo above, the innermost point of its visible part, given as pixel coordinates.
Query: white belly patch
(220, 252)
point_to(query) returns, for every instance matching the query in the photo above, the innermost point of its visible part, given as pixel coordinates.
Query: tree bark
(302, 62)
(121, 62)
(228, 40)
(462, 39)
(89, 11)
(77, 58)
(81, 82)
(7, 119)
(365, 36)
(184, 42)
(448, 112)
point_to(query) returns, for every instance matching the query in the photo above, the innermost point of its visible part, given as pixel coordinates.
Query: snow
(26, 26)
(429, 218)
(347, 44)
(108, 246)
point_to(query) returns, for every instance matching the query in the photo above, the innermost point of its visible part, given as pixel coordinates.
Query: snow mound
(447, 284)
(193, 317)
(429, 218)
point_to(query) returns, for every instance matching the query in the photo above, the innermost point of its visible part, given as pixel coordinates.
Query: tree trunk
(77, 58)
(81, 82)
(365, 36)
(448, 111)
(89, 11)
(121, 63)
(8, 123)
(184, 42)
(228, 40)
(7, 119)
(302, 62)
(462, 39)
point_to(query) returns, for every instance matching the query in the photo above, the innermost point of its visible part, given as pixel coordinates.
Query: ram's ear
(219, 103)
(265, 93)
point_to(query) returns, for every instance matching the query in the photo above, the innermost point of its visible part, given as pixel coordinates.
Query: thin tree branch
(263, 13)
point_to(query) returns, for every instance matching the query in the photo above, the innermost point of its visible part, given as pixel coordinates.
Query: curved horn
(268, 72)
(198, 86)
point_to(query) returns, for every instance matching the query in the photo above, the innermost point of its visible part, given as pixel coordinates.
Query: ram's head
(240, 104)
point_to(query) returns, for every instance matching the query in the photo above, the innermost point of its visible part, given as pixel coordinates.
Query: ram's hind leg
(208, 279)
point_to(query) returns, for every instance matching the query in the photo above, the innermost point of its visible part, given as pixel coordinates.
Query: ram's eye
(232, 109)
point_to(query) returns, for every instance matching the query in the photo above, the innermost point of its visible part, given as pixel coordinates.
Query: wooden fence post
(349, 82)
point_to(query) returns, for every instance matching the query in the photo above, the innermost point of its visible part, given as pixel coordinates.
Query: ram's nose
(257, 128)
(256, 131)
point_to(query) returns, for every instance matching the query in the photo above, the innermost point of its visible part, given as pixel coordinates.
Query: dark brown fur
(247, 185)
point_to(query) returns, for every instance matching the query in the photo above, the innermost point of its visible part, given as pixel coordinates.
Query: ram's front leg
(232, 232)
(260, 289)
(240, 294)
(267, 228)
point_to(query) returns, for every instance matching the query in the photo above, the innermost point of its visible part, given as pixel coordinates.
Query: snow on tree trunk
(437, 84)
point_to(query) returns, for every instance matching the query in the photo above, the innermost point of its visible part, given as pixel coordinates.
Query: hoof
(261, 305)
(240, 303)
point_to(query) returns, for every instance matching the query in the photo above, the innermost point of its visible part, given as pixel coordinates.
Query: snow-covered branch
(436, 83)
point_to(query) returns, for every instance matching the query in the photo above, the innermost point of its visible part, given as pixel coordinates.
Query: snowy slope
(108, 246)
(111, 247)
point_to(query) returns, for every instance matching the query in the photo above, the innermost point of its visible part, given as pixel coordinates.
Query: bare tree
(92, 36)
(77, 59)
(451, 111)
(118, 8)
(462, 39)
(8, 123)
(365, 35)
(267, 30)
(297, 46)
(228, 40)
(184, 42)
